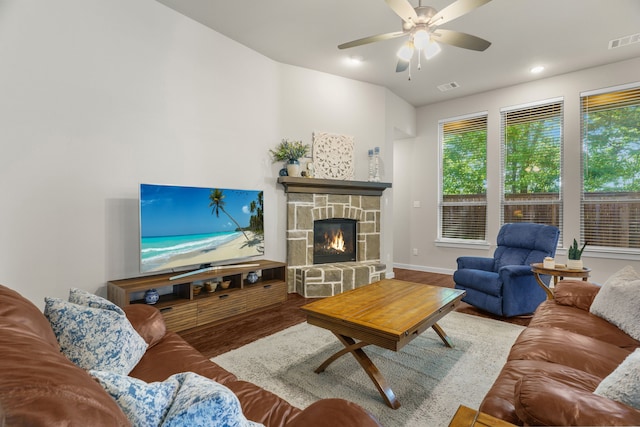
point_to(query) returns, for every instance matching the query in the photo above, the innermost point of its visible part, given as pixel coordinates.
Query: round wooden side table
(560, 271)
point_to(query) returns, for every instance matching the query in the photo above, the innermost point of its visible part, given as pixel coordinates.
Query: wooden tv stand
(182, 309)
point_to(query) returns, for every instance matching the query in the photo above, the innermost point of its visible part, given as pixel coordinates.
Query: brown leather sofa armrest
(575, 293)
(332, 413)
(540, 400)
(147, 321)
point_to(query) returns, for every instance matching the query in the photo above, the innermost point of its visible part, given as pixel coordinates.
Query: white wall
(419, 157)
(401, 124)
(99, 96)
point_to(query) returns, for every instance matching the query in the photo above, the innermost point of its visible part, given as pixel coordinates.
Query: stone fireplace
(338, 209)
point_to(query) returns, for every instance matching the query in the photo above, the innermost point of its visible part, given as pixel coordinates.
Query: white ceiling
(562, 35)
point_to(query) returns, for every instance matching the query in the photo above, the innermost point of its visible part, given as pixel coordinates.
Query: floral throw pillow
(201, 401)
(80, 297)
(95, 337)
(185, 399)
(144, 404)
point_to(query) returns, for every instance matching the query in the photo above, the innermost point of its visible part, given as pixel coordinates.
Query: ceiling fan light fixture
(421, 39)
(432, 49)
(406, 51)
(419, 24)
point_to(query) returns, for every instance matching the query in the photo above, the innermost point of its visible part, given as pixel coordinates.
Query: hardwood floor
(444, 280)
(447, 281)
(214, 340)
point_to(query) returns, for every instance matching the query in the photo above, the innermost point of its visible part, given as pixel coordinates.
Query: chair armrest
(147, 321)
(575, 293)
(476, 263)
(333, 413)
(540, 400)
(514, 271)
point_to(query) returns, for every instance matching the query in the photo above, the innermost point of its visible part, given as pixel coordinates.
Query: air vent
(624, 41)
(448, 86)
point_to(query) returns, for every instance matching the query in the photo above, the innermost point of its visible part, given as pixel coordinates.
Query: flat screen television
(196, 226)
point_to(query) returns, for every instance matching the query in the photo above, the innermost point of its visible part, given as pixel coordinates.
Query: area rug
(429, 379)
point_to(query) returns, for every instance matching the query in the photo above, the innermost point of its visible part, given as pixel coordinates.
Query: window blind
(610, 211)
(531, 152)
(463, 202)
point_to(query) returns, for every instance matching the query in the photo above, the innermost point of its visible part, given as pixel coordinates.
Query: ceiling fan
(421, 25)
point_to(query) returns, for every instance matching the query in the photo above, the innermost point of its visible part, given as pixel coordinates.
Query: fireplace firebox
(334, 240)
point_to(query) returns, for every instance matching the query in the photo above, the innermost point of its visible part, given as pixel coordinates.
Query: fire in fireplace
(334, 240)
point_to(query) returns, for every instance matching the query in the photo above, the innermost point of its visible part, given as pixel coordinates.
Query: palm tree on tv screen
(256, 222)
(217, 203)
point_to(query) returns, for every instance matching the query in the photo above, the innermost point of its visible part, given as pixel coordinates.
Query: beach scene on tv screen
(194, 226)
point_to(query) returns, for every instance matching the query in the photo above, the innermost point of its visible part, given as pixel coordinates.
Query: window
(531, 163)
(610, 214)
(463, 202)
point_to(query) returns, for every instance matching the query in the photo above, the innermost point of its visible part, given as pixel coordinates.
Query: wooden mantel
(332, 186)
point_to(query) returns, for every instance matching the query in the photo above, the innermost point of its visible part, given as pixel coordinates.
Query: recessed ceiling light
(356, 59)
(537, 69)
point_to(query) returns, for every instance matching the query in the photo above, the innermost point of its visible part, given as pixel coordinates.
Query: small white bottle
(371, 166)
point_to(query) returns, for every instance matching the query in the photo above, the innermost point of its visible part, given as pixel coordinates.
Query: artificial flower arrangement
(289, 150)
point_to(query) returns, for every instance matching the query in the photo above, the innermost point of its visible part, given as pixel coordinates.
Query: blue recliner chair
(504, 285)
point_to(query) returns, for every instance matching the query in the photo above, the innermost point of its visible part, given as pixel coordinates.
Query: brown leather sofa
(39, 386)
(558, 361)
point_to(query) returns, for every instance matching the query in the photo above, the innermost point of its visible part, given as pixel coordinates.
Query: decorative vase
(210, 286)
(283, 172)
(293, 167)
(574, 264)
(151, 296)
(252, 277)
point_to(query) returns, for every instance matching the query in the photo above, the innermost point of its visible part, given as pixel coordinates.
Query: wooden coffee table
(389, 313)
(467, 417)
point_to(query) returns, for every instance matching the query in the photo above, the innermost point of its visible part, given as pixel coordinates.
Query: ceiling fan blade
(404, 10)
(402, 65)
(455, 10)
(371, 39)
(463, 40)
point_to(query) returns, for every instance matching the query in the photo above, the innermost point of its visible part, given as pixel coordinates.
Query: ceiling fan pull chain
(410, 70)
(419, 57)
